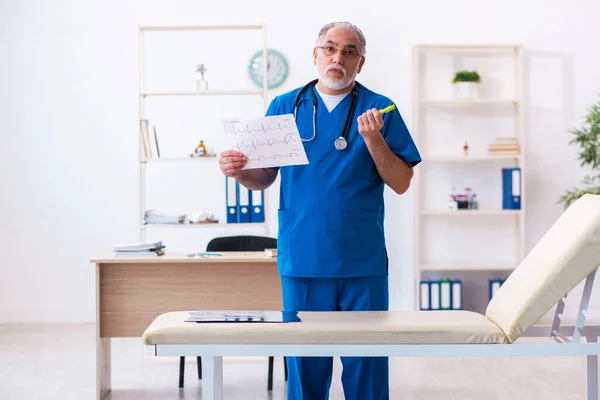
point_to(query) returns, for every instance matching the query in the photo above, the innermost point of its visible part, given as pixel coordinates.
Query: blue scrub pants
(363, 378)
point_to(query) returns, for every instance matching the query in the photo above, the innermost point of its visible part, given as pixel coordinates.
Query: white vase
(466, 90)
(201, 85)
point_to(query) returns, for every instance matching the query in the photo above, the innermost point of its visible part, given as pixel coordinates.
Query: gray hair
(342, 24)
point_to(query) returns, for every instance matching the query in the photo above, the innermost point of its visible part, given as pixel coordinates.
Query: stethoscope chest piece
(340, 143)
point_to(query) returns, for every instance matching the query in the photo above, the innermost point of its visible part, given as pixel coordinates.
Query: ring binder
(231, 198)
(511, 188)
(243, 203)
(257, 199)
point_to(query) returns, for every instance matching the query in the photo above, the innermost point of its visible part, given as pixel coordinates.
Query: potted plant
(588, 139)
(466, 84)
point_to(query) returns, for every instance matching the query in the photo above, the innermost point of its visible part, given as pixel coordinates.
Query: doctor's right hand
(231, 162)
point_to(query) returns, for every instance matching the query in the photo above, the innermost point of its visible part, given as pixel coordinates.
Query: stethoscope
(340, 143)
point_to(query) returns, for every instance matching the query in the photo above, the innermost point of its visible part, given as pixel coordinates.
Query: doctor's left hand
(370, 123)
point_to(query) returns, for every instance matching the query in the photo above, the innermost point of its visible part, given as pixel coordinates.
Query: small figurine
(202, 84)
(466, 149)
(200, 150)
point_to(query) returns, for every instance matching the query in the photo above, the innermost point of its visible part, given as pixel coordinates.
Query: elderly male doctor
(331, 246)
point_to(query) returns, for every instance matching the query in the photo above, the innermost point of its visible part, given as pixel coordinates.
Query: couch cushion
(565, 255)
(345, 327)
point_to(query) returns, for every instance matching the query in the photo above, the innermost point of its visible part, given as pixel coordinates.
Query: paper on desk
(242, 316)
(271, 141)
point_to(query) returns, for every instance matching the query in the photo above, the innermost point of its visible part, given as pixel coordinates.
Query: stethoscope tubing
(341, 142)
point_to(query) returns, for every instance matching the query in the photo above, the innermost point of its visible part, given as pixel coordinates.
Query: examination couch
(568, 253)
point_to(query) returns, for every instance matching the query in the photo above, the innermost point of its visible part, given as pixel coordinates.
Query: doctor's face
(338, 60)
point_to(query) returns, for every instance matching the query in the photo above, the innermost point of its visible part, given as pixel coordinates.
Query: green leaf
(466, 76)
(587, 138)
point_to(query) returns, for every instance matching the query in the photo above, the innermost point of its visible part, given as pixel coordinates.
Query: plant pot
(466, 90)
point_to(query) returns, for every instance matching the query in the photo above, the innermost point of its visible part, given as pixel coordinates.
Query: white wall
(68, 118)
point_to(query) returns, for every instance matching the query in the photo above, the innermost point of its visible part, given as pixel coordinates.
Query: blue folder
(511, 188)
(494, 286)
(243, 203)
(232, 200)
(456, 295)
(424, 296)
(257, 200)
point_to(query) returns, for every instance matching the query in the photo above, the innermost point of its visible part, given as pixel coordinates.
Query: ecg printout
(272, 141)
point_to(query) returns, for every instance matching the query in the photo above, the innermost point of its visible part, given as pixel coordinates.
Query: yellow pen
(387, 109)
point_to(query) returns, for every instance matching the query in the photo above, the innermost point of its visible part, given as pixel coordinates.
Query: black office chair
(237, 243)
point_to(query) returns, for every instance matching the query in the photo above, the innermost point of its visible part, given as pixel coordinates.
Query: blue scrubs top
(331, 210)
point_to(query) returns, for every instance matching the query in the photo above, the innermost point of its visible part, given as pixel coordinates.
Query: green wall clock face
(277, 68)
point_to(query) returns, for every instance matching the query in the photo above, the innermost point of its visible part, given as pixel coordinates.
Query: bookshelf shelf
(179, 159)
(200, 27)
(205, 225)
(468, 103)
(471, 213)
(486, 49)
(468, 159)
(467, 267)
(205, 93)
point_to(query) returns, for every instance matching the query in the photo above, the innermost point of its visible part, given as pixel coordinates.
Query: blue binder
(494, 286)
(456, 295)
(434, 295)
(243, 203)
(511, 188)
(445, 294)
(231, 200)
(257, 200)
(424, 296)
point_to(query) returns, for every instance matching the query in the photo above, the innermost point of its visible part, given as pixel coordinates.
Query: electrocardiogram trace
(271, 141)
(240, 145)
(281, 126)
(292, 153)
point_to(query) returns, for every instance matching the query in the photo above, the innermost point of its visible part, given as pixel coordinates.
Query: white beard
(336, 84)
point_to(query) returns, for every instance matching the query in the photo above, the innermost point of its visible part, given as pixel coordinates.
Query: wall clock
(277, 68)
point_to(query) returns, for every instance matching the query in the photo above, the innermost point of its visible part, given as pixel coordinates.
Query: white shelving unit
(468, 245)
(145, 94)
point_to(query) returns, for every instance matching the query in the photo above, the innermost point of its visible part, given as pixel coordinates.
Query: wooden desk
(132, 291)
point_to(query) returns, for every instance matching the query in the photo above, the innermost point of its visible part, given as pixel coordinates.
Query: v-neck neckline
(321, 102)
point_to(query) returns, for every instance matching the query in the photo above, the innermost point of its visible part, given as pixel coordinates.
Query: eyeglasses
(350, 54)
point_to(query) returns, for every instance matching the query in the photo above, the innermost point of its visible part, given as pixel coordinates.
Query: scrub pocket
(361, 236)
(285, 238)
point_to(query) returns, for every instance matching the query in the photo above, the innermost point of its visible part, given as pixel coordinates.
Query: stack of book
(271, 252)
(504, 146)
(152, 249)
(158, 217)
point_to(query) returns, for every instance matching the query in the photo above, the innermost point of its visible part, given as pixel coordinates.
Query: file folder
(445, 295)
(231, 199)
(257, 199)
(494, 286)
(456, 295)
(425, 296)
(511, 188)
(243, 203)
(243, 316)
(434, 290)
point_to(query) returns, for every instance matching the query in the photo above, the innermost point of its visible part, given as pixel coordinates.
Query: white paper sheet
(272, 141)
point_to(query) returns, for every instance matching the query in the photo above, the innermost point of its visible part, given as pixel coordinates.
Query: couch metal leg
(270, 378)
(285, 368)
(199, 359)
(181, 371)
